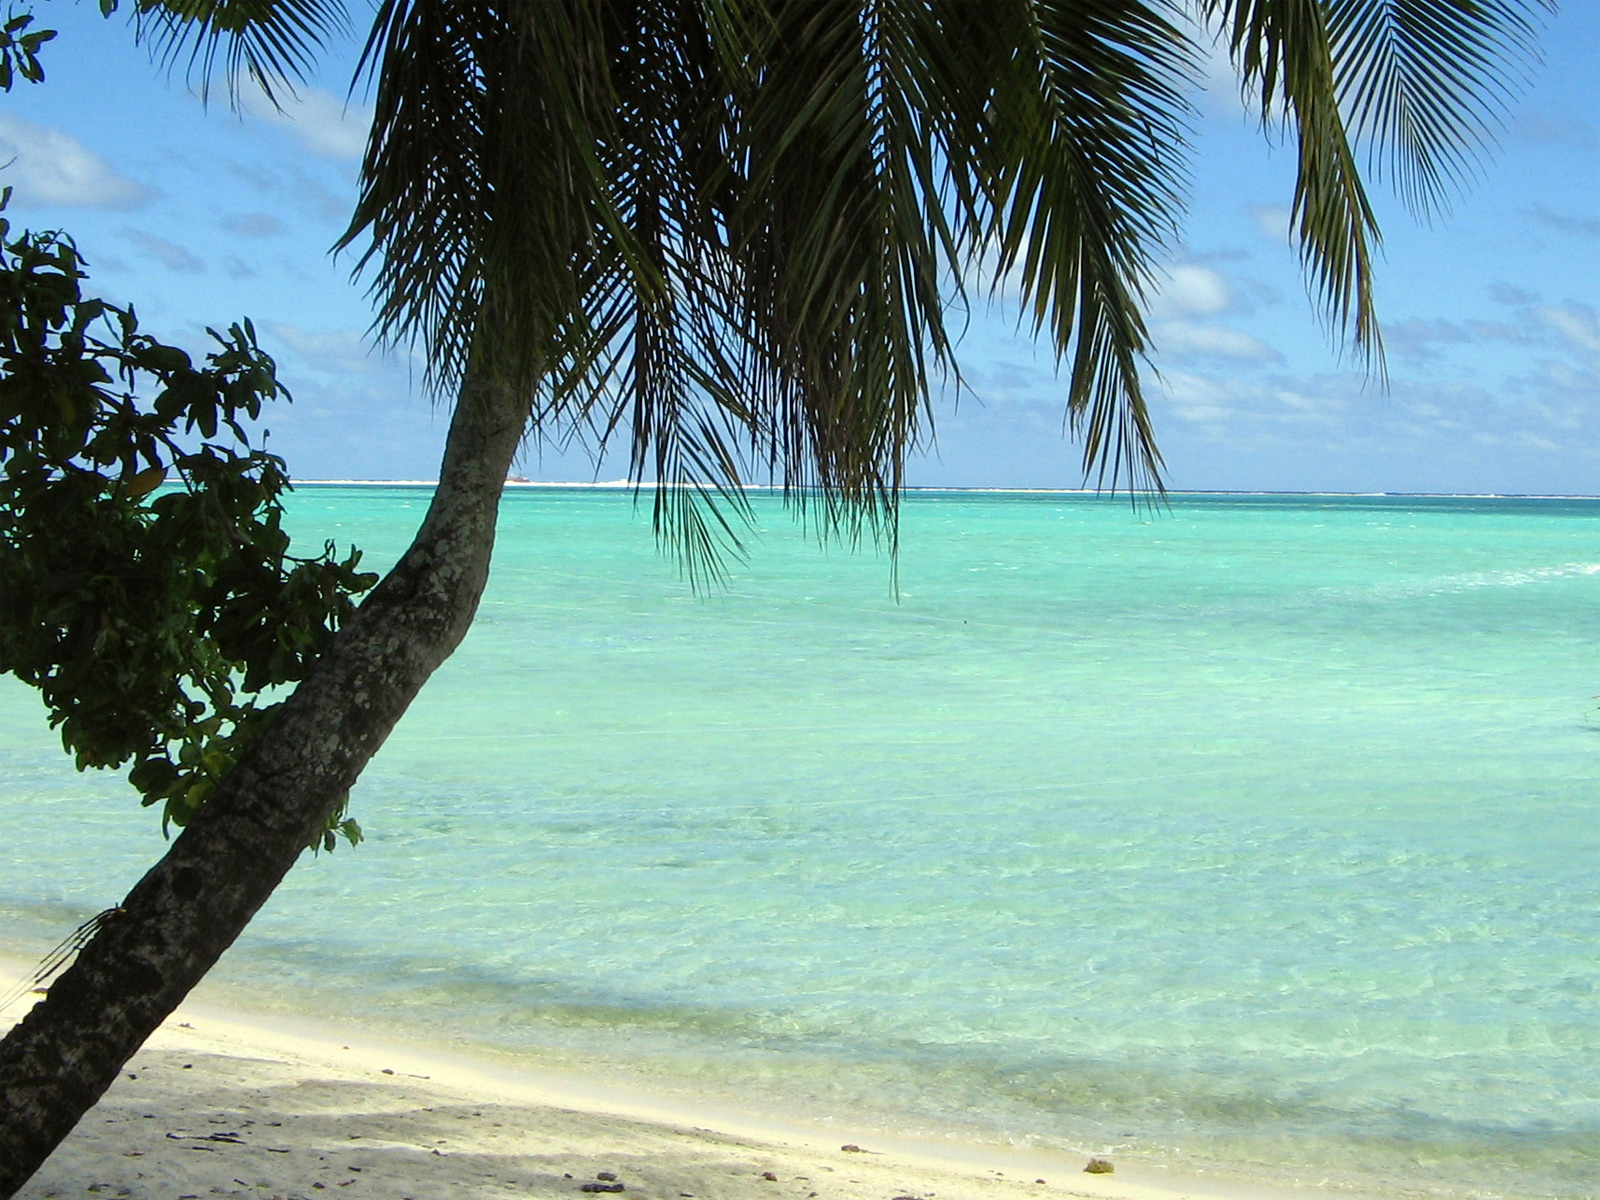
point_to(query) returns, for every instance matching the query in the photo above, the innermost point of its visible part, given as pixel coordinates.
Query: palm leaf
(1090, 171)
(1284, 55)
(1422, 82)
(734, 230)
(272, 42)
(1427, 84)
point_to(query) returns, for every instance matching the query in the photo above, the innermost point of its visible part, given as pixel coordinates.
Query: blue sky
(199, 216)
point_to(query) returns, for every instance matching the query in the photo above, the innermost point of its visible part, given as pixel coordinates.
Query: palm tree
(734, 231)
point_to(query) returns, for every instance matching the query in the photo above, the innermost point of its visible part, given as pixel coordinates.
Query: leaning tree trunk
(189, 908)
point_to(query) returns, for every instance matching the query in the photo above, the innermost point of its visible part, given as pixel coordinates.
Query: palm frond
(1427, 84)
(842, 241)
(1424, 84)
(482, 192)
(272, 42)
(1284, 53)
(733, 230)
(1090, 170)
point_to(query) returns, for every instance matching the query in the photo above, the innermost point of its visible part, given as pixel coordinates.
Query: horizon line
(628, 484)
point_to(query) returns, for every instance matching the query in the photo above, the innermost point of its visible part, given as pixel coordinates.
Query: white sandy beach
(218, 1104)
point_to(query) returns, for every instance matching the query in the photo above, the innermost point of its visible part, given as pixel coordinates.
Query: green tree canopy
(150, 617)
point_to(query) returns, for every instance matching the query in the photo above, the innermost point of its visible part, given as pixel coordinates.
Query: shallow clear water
(1254, 835)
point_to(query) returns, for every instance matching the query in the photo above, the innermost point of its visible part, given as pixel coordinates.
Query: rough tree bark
(189, 908)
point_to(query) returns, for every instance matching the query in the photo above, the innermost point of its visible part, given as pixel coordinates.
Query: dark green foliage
(19, 51)
(146, 583)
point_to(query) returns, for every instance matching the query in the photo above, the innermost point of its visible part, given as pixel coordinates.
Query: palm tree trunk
(189, 908)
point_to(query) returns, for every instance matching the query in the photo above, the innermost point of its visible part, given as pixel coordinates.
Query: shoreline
(225, 1103)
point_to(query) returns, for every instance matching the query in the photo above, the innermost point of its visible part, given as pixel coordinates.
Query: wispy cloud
(1191, 290)
(1531, 125)
(1588, 227)
(1274, 222)
(1421, 337)
(304, 190)
(1536, 429)
(1509, 293)
(323, 124)
(1578, 325)
(253, 225)
(46, 166)
(339, 352)
(169, 254)
(1183, 312)
(1182, 340)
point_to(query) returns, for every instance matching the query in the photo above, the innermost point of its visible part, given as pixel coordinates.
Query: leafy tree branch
(150, 592)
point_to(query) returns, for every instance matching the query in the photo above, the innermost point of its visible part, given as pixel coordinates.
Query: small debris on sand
(852, 1148)
(1099, 1166)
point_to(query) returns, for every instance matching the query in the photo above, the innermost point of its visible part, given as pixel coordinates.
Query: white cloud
(1274, 222)
(323, 123)
(1578, 324)
(1344, 409)
(1191, 290)
(46, 166)
(1196, 399)
(1321, 408)
(1199, 339)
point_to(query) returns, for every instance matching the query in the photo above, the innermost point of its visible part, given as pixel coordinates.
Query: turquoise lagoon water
(1255, 836)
